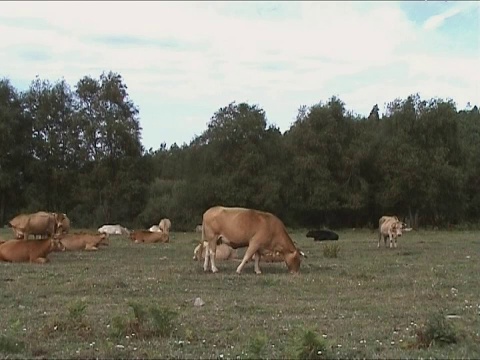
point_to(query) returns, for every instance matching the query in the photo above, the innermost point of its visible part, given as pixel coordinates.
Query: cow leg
(213, 252)
(251, 250)
(91, 248)
(257, 262)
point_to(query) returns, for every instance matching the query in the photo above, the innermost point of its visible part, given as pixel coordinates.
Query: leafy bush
(147, 322)
(437, 331)
(312, 347)
(331, 250)
(257, 345)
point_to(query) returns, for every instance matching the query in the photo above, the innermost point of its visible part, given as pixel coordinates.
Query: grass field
(137, 301)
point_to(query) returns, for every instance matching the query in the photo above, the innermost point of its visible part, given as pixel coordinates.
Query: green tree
(15, 143)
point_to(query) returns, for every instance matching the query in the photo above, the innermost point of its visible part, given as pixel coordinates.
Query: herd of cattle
(223, 229)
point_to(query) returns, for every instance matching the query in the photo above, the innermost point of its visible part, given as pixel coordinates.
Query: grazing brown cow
(83, 241)
(165, 225)
(223, 252)
(257, 230)
(145, 236)
(40, 223)
(34, 251)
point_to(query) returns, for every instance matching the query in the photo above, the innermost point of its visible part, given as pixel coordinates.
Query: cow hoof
(214, 270)
(258, 272)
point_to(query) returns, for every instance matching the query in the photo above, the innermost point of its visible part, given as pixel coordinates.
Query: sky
(183, 61)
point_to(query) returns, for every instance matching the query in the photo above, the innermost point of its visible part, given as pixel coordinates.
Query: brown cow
(83, 241)
(223, 252)
(145, 236)
(257, 230)
(40, 223)
(391, 227)
(165, 225)
(34, 251)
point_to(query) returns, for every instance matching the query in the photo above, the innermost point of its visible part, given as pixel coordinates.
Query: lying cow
(113, 230)
(145, 236)
(83, 241)
(320, 235)
(222, 252)
(165, 225)
(34, 251)
(42, 223)
(257, 230)
(391, 227)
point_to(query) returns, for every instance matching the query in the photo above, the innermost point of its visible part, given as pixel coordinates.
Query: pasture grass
(136, 301)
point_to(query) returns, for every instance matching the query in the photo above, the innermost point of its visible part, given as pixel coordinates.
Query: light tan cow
(40, 223)
(257, 230)
(145, 236)
(165, 225)
(223, 252)
(83, 241)
(34, 251)
(391, 227)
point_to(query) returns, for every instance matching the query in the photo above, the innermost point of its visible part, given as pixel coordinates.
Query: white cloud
(436, 21)
(225, 54)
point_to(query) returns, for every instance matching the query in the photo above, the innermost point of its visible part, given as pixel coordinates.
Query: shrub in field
(10, 346)
(437, 331)
(73, 323)
(147, 322)
(312, 347)
(76, 311)
(257, 345)
(331, 250)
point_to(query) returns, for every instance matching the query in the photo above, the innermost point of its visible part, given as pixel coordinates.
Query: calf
(34, 251)
(222, 252)
(320, 235)
(145, 236)
(79, 241)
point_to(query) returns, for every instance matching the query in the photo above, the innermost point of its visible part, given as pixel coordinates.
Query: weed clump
(331, 250)
(147, 322)
(437, 331)
(257, 345)
(312, 347)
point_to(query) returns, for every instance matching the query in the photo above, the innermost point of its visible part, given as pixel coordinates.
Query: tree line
(79, 151)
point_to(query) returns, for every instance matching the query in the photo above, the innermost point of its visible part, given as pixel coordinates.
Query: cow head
(104, 239)
(293, 261)
(56, 245)
(397, 228)
(59, 217)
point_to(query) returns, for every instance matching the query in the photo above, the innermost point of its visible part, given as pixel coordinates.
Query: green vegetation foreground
(137, 301)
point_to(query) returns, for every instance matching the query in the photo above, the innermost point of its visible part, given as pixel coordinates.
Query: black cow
(320, 235)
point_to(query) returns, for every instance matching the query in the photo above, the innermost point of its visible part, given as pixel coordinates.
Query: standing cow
(391, 227)
(40, 223)
(257, 230)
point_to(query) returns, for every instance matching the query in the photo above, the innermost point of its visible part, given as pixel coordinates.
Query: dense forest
(79, 151)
